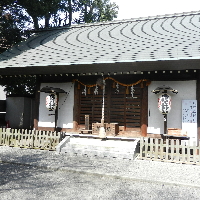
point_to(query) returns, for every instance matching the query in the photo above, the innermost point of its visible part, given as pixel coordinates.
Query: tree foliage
(12, 22)
(17, 16)
(42, 9)
(97, 11)
(23, 85)
(59, 12)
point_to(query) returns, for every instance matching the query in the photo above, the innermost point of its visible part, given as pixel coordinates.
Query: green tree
(10, 34)
(12, 23)
(58, 12)
(44, 9)
(23, 85)
(96, 11)
(15, 18)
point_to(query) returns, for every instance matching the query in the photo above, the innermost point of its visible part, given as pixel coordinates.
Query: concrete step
(102, 148)
(97, 153)
(105, 145)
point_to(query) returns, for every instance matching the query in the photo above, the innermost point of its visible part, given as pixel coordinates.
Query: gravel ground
(21, 182)
(37, 174)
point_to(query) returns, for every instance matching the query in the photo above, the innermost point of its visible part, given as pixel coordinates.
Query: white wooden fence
(169, 150)
(46, 140)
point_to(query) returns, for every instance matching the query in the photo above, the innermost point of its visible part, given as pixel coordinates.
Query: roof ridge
(136, 19)
(120, 21)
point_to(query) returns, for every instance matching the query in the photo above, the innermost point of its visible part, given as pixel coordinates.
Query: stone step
(101, 148)
(95, 153)
(118, 147)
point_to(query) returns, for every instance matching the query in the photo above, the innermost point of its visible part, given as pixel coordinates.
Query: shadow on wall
(19, 112)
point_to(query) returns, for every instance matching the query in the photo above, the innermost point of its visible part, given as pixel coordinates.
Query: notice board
(189, 118)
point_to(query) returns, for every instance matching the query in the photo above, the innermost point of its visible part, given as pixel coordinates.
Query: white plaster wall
(65, 107)
(2, 93)
(186, 91)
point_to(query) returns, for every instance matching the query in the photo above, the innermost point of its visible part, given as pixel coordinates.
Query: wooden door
(121, 106)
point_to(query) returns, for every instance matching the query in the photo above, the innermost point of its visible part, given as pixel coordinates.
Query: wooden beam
(144, 111)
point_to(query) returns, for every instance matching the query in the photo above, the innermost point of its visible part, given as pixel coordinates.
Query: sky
(143, 8)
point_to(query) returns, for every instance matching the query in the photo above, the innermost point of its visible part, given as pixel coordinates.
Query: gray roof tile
(170, 37)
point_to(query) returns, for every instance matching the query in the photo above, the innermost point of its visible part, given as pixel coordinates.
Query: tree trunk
(70, 12)
(85, 14)
(35, 21)
(47, 18)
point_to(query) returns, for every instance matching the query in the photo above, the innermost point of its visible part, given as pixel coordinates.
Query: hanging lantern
(164, 103)
(51, 101)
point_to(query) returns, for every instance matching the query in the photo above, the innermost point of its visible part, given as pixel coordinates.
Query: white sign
(189, 111)
(164, 103)
(51, 102)
(189, 118)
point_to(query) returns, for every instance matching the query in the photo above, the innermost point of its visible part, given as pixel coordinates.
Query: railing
(169, 150)
(46, 140)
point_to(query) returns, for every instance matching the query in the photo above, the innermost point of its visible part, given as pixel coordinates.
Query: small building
(132, 57)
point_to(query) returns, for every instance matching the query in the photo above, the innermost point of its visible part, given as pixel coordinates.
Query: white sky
(144, 8)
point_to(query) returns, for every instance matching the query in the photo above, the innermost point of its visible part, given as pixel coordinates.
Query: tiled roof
(168, 37)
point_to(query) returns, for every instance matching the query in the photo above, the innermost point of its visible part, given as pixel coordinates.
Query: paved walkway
(150, 171)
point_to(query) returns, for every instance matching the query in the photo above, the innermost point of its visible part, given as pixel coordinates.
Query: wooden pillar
(36, 105)
(108, 100)
(198, 105)
(56, 113)
(87, 122)
(165, 123)
(144, 111)
(76, 111)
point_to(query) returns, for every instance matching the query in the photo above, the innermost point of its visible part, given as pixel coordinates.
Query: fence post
(141, 147)
(177, 150)
(161, 148)
(151, 144)
(188, 152)
(156, 149)
(167, 149)
(194, 152)
(7, 137)
(11, 138)
(146, 147)
(15, 141)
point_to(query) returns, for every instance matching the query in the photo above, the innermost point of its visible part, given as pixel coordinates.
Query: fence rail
(46, 140)
(169, 150)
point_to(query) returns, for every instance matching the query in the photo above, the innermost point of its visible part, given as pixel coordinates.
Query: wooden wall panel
(120, 107)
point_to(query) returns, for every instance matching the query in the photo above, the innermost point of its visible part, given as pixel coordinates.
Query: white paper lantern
(164, 103)
(51, 102)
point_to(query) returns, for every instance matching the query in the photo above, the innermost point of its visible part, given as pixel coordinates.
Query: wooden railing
(169, 150)
(46, 140)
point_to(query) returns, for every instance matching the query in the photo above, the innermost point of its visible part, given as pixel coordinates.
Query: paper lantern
(51, 102)
(164, 103)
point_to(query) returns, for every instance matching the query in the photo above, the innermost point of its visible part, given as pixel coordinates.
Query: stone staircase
(91, 146)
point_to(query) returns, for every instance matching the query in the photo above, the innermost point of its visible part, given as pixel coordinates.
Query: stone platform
(90, 145)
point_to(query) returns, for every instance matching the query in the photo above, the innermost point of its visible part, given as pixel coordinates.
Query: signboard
(189, 119)
(51, 101)
(189, 111)
(164, 103)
